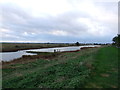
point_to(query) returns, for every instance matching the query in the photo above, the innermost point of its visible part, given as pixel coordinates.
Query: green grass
(105, 73)
(90, 68)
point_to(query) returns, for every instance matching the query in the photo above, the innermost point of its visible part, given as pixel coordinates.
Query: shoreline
(43, 55)
(31, 48)
(15, 50)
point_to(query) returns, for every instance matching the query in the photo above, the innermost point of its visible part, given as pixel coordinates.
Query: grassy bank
(105, 74)
(89, 68)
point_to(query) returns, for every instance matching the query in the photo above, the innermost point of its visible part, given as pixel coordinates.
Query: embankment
(89, 68)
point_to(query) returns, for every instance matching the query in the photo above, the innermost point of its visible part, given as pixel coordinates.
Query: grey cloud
(19, 21)
(62, 22)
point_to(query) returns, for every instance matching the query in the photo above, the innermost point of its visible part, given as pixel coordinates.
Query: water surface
(7, 56)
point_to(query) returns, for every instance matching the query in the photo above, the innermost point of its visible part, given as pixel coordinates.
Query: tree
(77, 43)
(116, 41)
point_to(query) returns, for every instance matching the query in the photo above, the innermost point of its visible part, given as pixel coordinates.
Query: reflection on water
(61, 49)
(7, 56)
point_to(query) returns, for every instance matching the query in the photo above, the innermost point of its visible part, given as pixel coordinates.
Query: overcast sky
(58, 20)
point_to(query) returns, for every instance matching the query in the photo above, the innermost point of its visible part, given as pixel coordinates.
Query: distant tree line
(80, 44)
